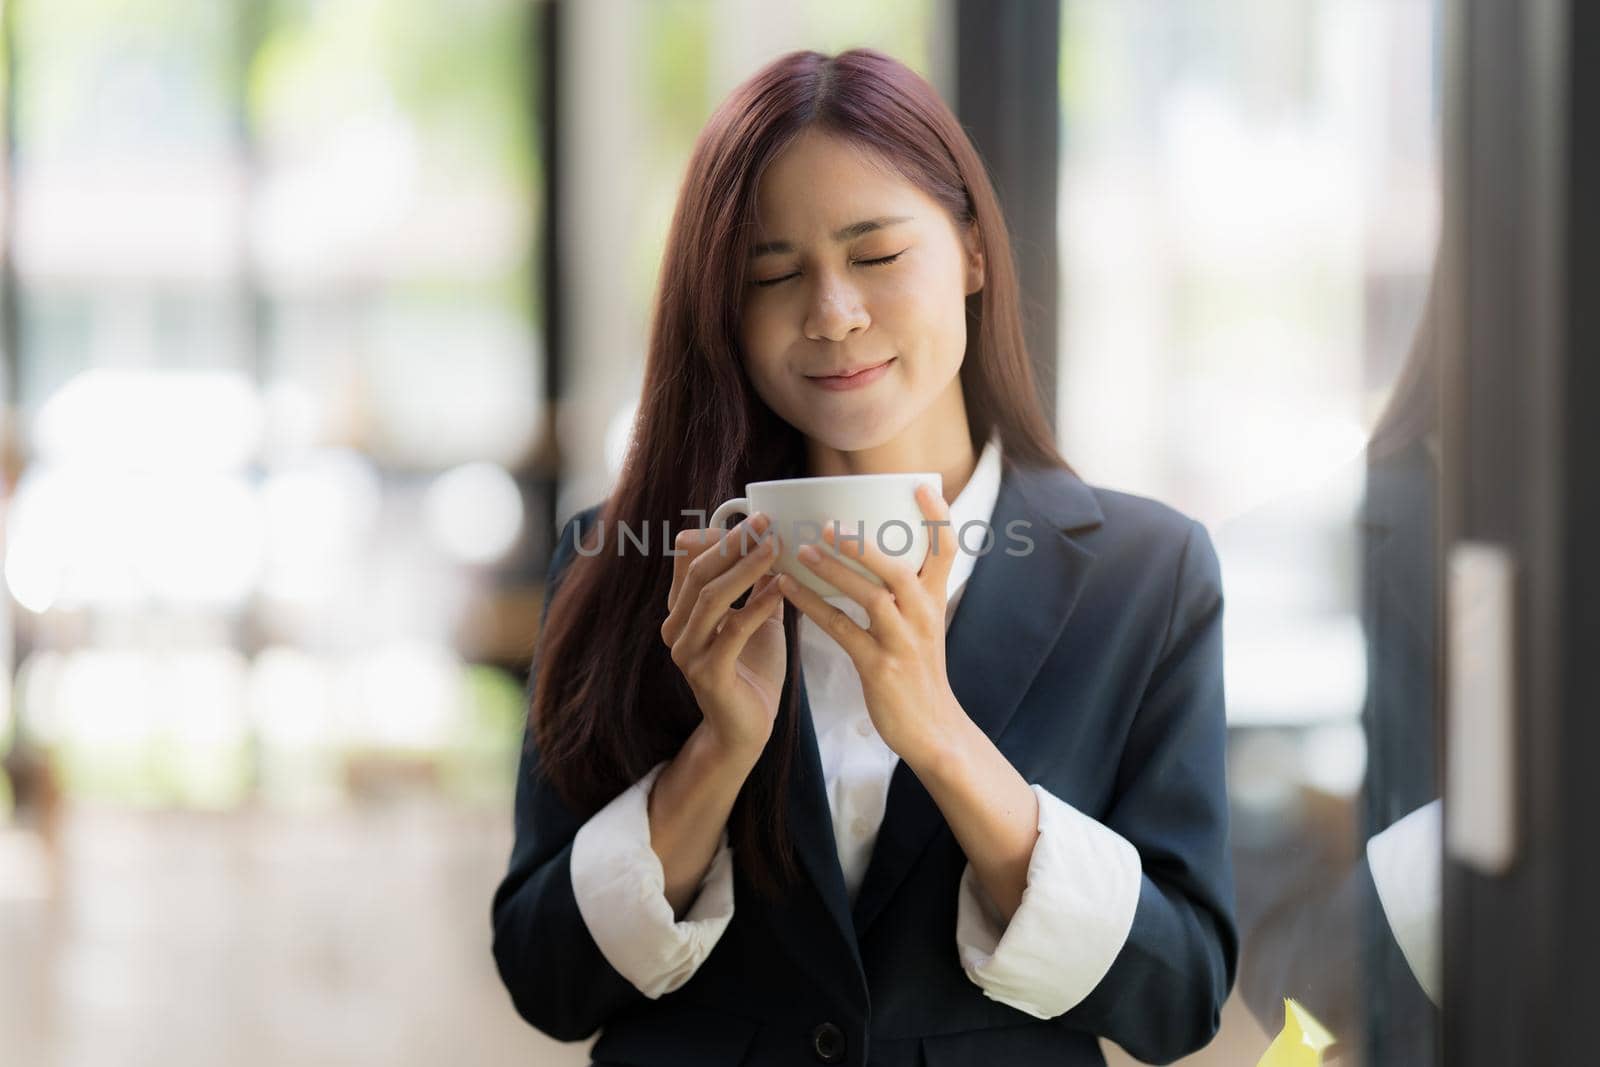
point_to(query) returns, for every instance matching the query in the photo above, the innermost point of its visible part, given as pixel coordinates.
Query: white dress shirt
(1083, 877)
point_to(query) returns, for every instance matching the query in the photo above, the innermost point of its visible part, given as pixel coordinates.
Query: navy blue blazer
(1095, 664)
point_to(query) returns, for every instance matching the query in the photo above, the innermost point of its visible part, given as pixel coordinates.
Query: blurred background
(320, 316)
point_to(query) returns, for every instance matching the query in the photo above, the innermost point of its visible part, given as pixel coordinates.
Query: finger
(896, 574)
(688, 544)
(766, 583)
(709, 554)
(715, 599)
(832, 620)
(878, 601)
(764, 606)
(714, 606)
(766, 579)
(705, 562)
(942, 541)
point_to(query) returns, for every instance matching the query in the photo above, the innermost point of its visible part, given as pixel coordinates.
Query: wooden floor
(348, 938)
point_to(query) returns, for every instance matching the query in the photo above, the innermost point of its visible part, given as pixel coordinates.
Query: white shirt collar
(975, 503)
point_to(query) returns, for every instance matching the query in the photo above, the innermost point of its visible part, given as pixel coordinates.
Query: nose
(835, 310)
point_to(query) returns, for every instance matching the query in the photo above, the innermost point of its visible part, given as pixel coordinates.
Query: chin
(869, 429)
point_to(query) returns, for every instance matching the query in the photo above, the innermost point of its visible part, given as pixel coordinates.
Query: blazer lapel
(1009, 618)
(811, 827)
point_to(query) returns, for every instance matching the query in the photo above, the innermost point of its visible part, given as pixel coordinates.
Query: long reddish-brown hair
(608, 702)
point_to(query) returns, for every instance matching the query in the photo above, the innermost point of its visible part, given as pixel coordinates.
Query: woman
(947, 837)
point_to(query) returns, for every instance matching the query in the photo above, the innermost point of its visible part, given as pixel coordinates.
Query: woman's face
(854, 267)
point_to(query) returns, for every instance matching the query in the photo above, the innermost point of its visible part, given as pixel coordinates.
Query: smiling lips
(856, 380)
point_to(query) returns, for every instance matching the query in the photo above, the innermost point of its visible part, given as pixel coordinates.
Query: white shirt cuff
(1405, 860)
(620, 887)
(1075, 915)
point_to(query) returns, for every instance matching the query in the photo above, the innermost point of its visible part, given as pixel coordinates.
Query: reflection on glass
(1249, 208)
(1350, 921)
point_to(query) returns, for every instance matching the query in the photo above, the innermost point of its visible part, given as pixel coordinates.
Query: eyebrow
(855, 229)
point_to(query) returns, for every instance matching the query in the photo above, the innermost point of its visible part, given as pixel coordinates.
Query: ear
(972, 239)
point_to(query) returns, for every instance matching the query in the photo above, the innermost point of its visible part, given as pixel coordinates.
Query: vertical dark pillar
(1006, 59)
(1523, 473)
(545, 66)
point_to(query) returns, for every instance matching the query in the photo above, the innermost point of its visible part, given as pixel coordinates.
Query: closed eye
(881, 261)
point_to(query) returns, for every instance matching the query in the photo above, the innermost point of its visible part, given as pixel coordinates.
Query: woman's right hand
(733, 659)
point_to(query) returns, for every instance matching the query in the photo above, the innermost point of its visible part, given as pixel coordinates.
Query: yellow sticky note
(1300, 1043)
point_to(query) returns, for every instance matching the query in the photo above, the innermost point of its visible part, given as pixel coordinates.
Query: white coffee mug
(882, 507)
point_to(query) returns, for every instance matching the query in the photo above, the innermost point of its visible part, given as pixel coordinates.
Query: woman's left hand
(901, 657)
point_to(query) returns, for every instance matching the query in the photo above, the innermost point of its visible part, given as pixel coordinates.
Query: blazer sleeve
(1077, 907)
(558, 978)
(621, 891)
(1162, 997)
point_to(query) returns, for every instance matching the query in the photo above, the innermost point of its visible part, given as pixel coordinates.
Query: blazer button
(827, 1041)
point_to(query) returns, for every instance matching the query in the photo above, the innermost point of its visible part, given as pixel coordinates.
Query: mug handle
(739, 505)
